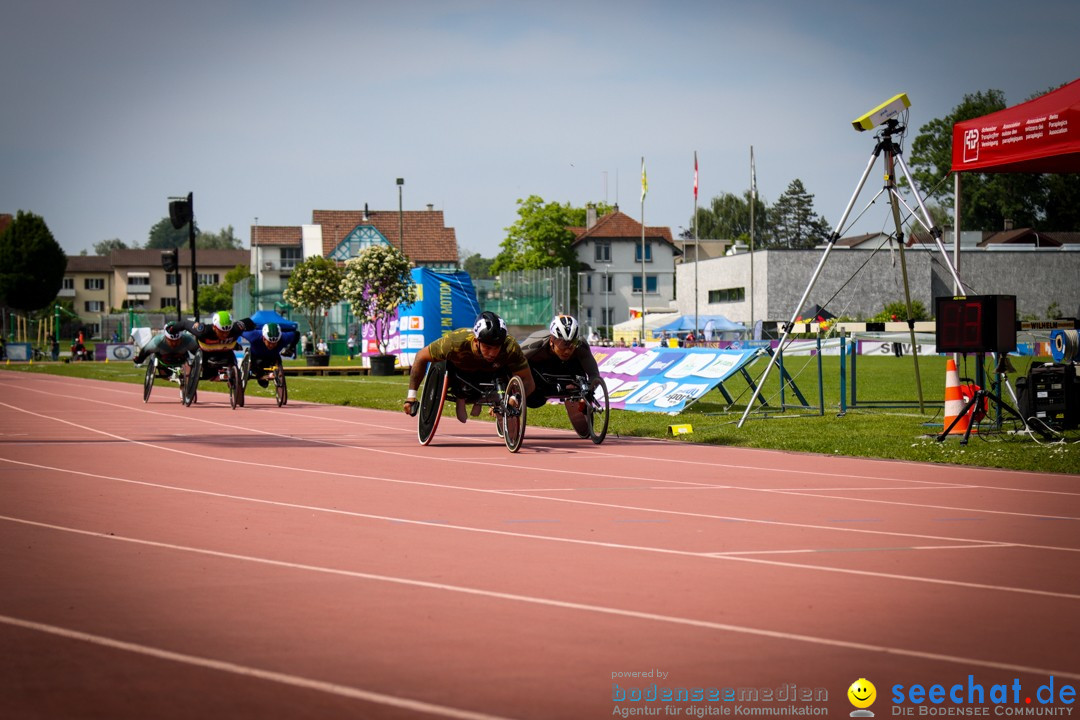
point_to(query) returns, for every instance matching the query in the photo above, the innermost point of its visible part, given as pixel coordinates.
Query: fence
(529, 297)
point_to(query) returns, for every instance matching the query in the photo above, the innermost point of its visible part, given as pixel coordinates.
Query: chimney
(365, 217)
(590, 216)
(1008, 224)
(430, 207)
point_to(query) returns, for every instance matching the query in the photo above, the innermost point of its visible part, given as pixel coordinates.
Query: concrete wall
(862, 282)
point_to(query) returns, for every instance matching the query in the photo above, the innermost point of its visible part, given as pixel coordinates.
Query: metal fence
(528, 297)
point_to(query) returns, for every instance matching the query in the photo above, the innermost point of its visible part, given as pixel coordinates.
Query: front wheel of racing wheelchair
(505, 397)
(587, 407)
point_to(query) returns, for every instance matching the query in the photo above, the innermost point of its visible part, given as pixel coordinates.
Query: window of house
(291, 257)
(605, 316)
(648, 252)
(94, 305)
(603, 251)
(133, 304)
(94, 284)
(172, 279)
(168, 302)
(650, 283)
(69, 284)
(609, 283)
(139, 280)
(209, 279)
(727, 295)
(588, 284)
(93, 330)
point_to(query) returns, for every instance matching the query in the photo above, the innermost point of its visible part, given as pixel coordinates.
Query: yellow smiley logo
(862, 693)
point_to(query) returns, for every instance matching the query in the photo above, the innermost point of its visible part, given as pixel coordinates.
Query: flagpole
(753, 202)
(644, 189)
(697, 244)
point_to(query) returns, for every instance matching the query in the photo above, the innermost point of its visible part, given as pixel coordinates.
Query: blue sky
(272, 109)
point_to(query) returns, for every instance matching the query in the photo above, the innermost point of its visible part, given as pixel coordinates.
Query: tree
(32, 265)
(163, 236)
(314, 286)
(105, 247)
(795, 225)
(987, 199)
(728, 218)
(220, 297)
(540, 237)
(477, 266)
(224, 240)
(375, 283)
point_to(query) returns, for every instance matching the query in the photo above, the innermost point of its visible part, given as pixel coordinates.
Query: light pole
(401, 216)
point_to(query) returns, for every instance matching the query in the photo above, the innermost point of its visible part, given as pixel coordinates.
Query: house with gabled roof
(610, 282)
(343, 234)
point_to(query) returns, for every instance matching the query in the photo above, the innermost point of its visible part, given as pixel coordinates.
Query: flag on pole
(753, 176)
(695, 174)
(644, 181)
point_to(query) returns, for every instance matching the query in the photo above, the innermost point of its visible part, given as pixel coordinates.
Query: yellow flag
(644, 181)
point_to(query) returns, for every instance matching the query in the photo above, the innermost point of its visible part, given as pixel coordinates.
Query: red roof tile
(427, 239)
(619, 226)
(276, 235)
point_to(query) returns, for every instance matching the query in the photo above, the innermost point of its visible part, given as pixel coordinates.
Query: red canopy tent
(1039, 136)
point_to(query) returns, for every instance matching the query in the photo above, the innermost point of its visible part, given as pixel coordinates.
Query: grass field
(901, 433)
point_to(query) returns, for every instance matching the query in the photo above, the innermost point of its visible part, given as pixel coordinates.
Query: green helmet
(271, 333)
(222, 320)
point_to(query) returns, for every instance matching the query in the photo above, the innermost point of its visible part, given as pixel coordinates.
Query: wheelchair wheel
(598, 411)
(151, 373)
(236, 393)
(431, 402)
(514, 417)
(245, 371)
(191, 386)
(281, 390)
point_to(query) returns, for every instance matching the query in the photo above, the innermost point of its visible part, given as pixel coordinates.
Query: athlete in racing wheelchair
(482, 366)
(564, 368)
(216, 359)
(167, 355)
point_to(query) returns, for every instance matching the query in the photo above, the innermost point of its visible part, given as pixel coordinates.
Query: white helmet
(564, 327)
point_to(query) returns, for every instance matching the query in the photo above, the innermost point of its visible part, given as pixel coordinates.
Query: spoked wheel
(191, 385)
(514, 414)
(281, 390)
(151, 373)
(245, 372)
(236, 392)
(598, 411)
(431, 402)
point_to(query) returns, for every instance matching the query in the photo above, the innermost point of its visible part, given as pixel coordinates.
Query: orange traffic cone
(954, 400)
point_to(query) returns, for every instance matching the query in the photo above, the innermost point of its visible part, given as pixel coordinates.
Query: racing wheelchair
(587, 407)
(277, 374)
(506, 398)
(155, 369)
(218, 369)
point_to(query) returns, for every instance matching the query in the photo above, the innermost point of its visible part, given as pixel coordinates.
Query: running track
(314, 561)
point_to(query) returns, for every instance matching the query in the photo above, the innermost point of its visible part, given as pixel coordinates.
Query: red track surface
(313, 561)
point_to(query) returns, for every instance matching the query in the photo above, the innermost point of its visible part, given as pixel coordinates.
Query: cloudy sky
(270, 109)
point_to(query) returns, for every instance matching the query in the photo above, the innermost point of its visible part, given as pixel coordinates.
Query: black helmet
(173, 330)
(490, 329)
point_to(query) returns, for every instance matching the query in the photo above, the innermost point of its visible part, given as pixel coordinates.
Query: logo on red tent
(971, 145)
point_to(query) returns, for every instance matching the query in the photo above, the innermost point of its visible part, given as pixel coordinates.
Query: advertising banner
(665, 380)
(444, 302)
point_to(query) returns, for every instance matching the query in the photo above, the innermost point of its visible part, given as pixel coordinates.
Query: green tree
(224, 240)
(314, 286)
(163, 236)
(107, 246)
(896, 311)
(375, 283)
(727, 217)
(477, 266)
(32, 265)
(220, 297)
(540, 238)
(987, 199)
(795, 224)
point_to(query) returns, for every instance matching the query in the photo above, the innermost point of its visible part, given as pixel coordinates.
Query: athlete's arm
(416, 375)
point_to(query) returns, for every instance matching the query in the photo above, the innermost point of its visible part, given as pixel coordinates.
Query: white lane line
(596, 451)
(520, 494)
(488, 464)
(741, 553)
(248, 671)
(574, 541)
(582, 607)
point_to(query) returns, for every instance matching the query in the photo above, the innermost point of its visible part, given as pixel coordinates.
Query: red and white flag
(695, 174)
